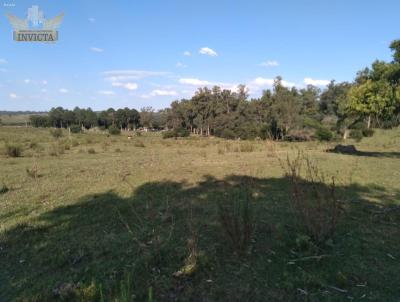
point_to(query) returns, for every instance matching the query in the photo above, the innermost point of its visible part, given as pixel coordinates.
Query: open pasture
(95, 217)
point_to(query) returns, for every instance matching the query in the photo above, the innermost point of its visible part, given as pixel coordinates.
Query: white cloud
(194, 82)
(12, 95)
(269, 64)
(187, 53)
(44, 82)
(261, 82)
(310, 81)
(27, 81)
(92, 20)
(3, 61)
(96, 49)
(159, 92)
(106, 92)
(63, 90)
(208, 52)
(129, 86)
(180, 65)
(44, 90)
(125, 75)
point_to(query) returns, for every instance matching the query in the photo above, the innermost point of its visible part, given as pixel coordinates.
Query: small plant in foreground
(13, 150)
(91, 151)
(3, 188)
(56, 150)
(56, 133)
(236, 220)
(33, 172)
(314, 202)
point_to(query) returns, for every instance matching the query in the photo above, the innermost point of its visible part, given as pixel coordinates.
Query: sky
(127, 53)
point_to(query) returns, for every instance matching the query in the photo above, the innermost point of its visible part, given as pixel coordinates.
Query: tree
(146, 116)
(371, 99)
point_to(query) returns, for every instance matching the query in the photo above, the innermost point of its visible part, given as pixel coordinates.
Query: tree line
(372, 100)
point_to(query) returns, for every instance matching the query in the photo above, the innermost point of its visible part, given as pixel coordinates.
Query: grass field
(96, 217)
(14, 119)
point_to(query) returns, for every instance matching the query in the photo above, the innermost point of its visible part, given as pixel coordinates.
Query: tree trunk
(369, 121)
(346, 133)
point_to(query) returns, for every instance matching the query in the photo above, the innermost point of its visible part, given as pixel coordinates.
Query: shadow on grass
(102, 238)
(368, 153)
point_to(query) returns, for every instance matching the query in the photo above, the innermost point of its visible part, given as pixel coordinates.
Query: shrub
(367, 132)
(56, 133)
(356, 134)
(13, 150)
(33, 172)
(236, 220)
(323, 134)
(91, 151)
(228, 134)
(314, 203)
(302, 135)
(180, 132)
(3, 189)
(33, 145)
(56, 150)
(168, 134)
(114, 130)
(75, 129)
(265, 132)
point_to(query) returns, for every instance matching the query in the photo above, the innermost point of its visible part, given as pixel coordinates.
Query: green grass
(122, 223)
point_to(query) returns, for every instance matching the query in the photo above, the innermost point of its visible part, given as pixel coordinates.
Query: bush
(168, 134)
(180, 132)
(323, 134)
(91, 151)
(3, 189)
(236, 220)
(314, 203)
(13, 150)
(114, 130)
(56, 150)
(301, 135)
(75, 129)
(356, 135)
(367, 132)
(56, 133)
(228, 134)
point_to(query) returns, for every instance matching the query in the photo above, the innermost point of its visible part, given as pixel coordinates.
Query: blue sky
(149, 53)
